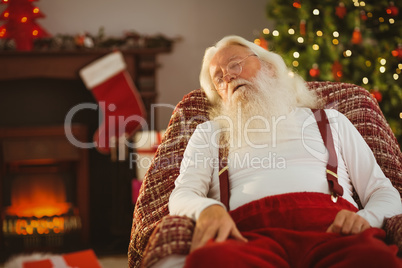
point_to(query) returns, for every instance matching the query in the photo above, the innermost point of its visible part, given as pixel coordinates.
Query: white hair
(303, 96)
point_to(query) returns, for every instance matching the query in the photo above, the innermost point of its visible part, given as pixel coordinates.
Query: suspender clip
(334, 197)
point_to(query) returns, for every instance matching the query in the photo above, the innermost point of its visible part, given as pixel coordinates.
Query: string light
(35, 32)
(347, 53)
(24, 19)
(365, 80)
(6, 14)
(3, 32)
(257, 41)
(382, 63)
(35, 10)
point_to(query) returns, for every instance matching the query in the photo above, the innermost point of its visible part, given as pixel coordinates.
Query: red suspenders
(332, 165)
(224, 181)
(331, 171)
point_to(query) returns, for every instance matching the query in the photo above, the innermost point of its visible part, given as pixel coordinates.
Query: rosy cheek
(250, 73)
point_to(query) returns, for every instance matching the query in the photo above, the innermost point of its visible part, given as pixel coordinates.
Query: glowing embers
(44, 226)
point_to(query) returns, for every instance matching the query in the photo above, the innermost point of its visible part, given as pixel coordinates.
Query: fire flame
(38, 195)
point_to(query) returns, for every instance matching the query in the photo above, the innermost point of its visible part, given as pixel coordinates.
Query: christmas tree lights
(20, 26)
(357, 42)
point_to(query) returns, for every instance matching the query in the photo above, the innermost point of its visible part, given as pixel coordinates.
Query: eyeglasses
(234, 68)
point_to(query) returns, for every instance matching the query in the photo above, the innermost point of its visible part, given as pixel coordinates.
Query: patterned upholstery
(155, 234)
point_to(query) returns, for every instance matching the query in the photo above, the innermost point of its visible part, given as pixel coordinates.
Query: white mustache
(237, 82)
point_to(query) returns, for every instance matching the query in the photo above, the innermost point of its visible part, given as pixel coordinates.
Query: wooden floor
(114, 261)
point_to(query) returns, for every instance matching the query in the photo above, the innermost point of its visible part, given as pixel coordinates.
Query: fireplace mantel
(63, 64)
(141, 65)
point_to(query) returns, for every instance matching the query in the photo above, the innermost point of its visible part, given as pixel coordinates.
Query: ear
(271, 70)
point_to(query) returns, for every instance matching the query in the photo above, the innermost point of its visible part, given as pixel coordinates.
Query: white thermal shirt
(294, 160)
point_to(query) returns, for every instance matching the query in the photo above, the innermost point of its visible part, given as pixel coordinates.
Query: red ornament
(392, 10)
(376, 94)
(363, 15)
(263, 43)
(297, 4)
(314, 72)
(79, 40)
(337, 71)
(303, 27)
(397, 52)
(340, 10)
(357, 36)
(20, 16)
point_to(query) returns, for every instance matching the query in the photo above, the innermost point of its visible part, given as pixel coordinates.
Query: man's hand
(214, 223)
(347, 222)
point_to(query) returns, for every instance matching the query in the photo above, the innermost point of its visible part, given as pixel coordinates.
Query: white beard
(253, 115)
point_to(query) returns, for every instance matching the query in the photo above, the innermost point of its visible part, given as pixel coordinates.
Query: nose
(228, 77)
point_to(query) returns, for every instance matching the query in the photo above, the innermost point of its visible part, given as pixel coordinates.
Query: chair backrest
(152, 205)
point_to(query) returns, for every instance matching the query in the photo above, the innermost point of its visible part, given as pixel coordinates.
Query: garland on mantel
(86, 41)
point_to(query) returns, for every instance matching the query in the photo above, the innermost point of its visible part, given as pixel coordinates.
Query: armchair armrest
(393, 228)
(172, 235)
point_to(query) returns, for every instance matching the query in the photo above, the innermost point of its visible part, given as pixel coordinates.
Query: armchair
(155, 234)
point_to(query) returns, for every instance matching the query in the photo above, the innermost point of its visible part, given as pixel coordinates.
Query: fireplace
(44, 187)
(37, 90)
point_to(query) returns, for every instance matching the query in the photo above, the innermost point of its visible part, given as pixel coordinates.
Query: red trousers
(290, 231)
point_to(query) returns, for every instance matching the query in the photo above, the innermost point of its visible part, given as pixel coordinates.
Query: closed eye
(218, 80)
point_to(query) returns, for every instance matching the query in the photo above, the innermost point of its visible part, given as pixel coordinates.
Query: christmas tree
(20, 26)
(357, 42)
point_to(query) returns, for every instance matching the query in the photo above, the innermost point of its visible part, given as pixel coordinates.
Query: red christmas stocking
(118, 98)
